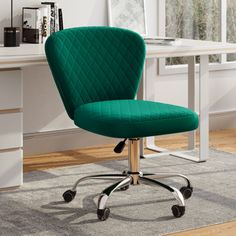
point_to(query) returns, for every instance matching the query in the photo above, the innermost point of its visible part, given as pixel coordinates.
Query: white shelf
(25, 55)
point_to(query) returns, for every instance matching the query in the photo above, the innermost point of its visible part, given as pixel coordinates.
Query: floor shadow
(61, 208)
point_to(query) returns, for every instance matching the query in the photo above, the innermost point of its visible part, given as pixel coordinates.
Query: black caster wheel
(124, 188)
(69, 195)
(178, 211)
(103, 214)
(187, 192)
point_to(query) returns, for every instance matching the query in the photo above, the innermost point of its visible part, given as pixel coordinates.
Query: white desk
(19, 57)
(11, 105)
(12, 60)
(190, 49)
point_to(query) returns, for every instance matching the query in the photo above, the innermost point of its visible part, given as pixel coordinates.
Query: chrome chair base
(135, 177)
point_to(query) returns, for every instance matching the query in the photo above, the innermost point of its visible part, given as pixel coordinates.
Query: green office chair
(97, 71)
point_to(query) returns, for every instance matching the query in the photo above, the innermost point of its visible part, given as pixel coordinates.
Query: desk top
(188, 47)
(25, 55)
(33, 54)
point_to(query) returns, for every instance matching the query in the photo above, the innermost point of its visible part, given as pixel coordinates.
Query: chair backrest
(92, 64)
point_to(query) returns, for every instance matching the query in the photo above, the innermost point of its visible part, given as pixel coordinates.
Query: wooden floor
(224, 140)
(227, 229)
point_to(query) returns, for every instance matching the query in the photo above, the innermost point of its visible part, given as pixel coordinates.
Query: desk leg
(203, 94)
(204, 108)
(142, 96)
(191, 98)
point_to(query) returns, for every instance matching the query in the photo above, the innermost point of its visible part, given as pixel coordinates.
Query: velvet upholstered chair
(97, 71)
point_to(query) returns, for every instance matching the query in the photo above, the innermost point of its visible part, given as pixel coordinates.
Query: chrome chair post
(134, 159)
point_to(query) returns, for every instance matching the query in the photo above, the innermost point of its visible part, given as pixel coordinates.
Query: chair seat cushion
(134, 118)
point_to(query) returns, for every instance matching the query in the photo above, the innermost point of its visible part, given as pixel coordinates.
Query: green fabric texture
(92, 64)
(97, 71)
(134, 118)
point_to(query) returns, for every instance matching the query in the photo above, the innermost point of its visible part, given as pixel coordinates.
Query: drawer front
(11, 130)
(11, 168)
(10, 90)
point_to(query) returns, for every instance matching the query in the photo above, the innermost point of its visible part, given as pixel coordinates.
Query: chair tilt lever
(120, 146)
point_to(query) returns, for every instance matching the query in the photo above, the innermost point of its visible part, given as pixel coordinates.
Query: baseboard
(60, 140)
(225, 119)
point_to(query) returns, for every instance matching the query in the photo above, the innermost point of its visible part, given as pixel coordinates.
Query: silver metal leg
(108, 191)
(176, 193)
(167, 175)
(101, 177)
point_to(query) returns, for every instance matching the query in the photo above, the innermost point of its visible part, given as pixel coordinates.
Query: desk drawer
(10, 90)
(11, 168)
(11, 130)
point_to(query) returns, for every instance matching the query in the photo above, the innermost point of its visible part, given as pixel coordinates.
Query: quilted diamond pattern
(133, 119)
(92, 64)
(97, 71)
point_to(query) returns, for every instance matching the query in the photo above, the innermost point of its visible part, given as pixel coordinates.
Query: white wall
(76, 12)
(43, 111)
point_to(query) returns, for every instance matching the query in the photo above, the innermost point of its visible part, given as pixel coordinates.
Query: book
(45, 22)
(56, 17)
(41, 21)
(54, 24)
(31, 28)
(60, 16)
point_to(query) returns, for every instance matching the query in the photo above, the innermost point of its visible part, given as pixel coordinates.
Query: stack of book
(41, 21)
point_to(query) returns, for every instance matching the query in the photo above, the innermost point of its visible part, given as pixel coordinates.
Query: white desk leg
(150, 144)
(191, 98)
(142, 96)
(204, 108)
(150, 141)
(191, 104)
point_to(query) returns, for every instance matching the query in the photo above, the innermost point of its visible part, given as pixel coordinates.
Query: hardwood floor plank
(224, 140)
(226, 229)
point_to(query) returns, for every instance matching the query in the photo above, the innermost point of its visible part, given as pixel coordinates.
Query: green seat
(134, 119)
(97, 71)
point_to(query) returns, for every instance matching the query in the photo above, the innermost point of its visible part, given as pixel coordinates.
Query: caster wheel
(103, 214)
(69, 195)
(178, 211)
(124, 188)
(187, 192)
